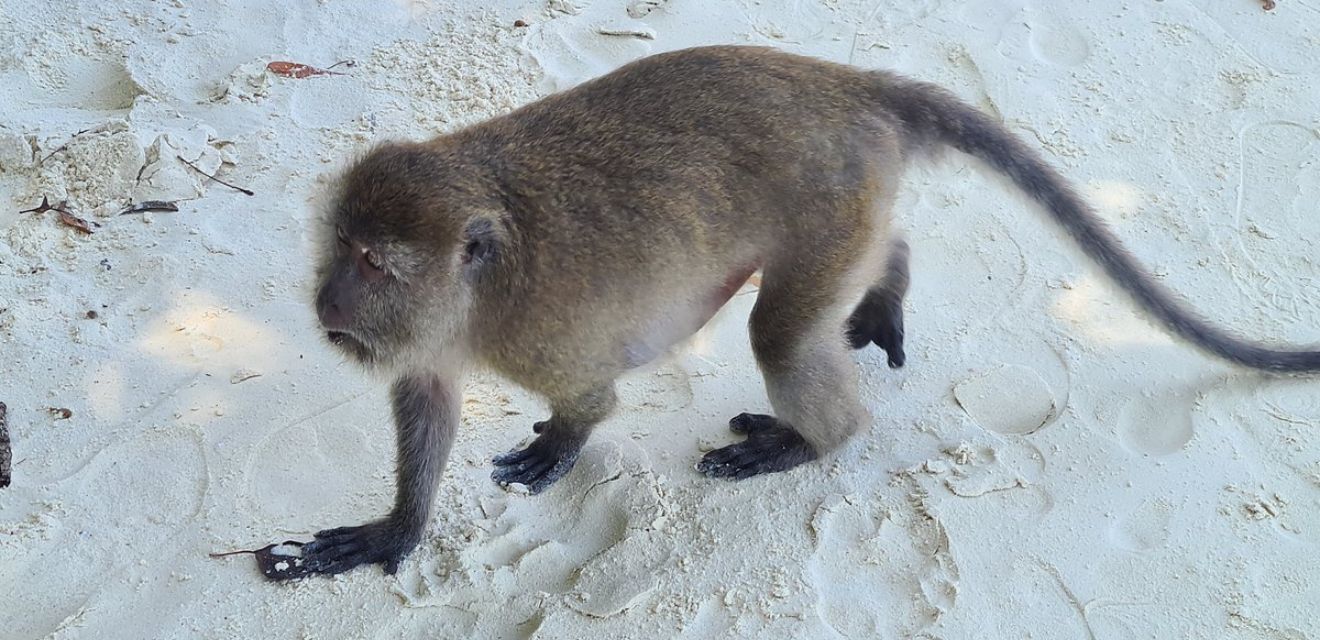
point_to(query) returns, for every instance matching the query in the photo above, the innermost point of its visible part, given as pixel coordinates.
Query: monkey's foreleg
(426, 412)
(878, 318)
(554, 452)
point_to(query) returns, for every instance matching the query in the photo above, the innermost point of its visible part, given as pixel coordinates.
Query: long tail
(933, 115)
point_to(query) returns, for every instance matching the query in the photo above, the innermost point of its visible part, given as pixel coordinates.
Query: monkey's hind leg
(811, 382)
(878, 318)
(554, 452)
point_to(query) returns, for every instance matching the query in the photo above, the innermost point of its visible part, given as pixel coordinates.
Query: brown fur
(579, 236)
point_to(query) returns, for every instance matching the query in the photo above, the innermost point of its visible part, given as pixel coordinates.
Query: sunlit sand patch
(1113, 200)
(200, 332)
(1104, 315)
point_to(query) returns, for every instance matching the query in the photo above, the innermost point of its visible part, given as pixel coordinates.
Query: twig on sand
(6, 455)
(61, 147)
(231, 186)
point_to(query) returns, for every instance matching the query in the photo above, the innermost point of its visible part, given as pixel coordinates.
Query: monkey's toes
(770, 446)
(745, 423)
(545, 460)
(890, 338)
(338, 550)
(879, 321)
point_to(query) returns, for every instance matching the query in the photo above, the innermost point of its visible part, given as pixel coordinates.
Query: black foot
(548, 458)
(770, 446)
(337, 550)
(879, 320)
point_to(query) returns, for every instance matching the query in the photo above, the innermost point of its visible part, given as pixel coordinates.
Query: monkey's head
(410, 234)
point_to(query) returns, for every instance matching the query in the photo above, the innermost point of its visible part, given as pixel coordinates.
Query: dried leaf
(41, 208)
(80, 224)
(66, 216)
(243, 375)
(150, 205)
(60, 413)
(6, 455)
(275, 566)
(299, 70)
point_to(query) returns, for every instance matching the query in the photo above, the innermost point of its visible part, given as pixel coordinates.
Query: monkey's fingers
(329, 534)
(513, 457)
(747, 423)
(343, 548)
(522, 473)
(895, 352)
(771, 448)
(889, 336)
(859, 335)
(540, 464)
(322, 548)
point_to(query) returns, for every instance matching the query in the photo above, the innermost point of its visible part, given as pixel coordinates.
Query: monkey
(581, 236)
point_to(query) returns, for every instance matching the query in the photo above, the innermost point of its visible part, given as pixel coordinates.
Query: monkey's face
(399, 259)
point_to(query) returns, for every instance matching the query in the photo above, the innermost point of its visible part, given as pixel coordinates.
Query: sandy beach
(1049, 464)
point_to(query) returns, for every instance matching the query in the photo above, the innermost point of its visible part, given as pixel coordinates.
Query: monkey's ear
(481, 243)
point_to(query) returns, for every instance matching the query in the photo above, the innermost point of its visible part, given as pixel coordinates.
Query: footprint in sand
(595, 542)
(638, 9)
(992, 274)
(1144, 528)
(309, 471)
(1052, 39)
(131, 497)
(1009, 399)
(879, 572)
(1156, 426)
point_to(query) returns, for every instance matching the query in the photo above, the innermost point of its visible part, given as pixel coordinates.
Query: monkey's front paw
(538, 466)
(770, 446)
(383, 542)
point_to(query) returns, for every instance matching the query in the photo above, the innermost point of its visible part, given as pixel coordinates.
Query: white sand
(1048, 465)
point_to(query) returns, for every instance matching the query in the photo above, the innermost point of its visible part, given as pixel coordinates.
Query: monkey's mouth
(341, 339)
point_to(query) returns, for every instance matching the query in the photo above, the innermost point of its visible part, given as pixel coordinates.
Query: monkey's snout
(330, 313)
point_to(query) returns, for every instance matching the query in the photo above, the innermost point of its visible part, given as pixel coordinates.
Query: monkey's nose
(332, 317)
(329, 312)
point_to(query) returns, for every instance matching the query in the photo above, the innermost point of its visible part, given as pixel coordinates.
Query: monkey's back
(691, 165)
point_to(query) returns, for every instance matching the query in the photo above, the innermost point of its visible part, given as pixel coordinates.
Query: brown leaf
(60, 413)
(299, 70)
(275, 566)
(71, 220)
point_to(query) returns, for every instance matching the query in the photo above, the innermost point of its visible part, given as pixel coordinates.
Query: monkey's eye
(373, 260)
(343, 238)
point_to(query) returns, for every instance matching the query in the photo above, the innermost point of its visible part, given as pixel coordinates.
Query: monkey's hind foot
(384, 542)
(548, 458)
(879, 320)
(770, 446)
